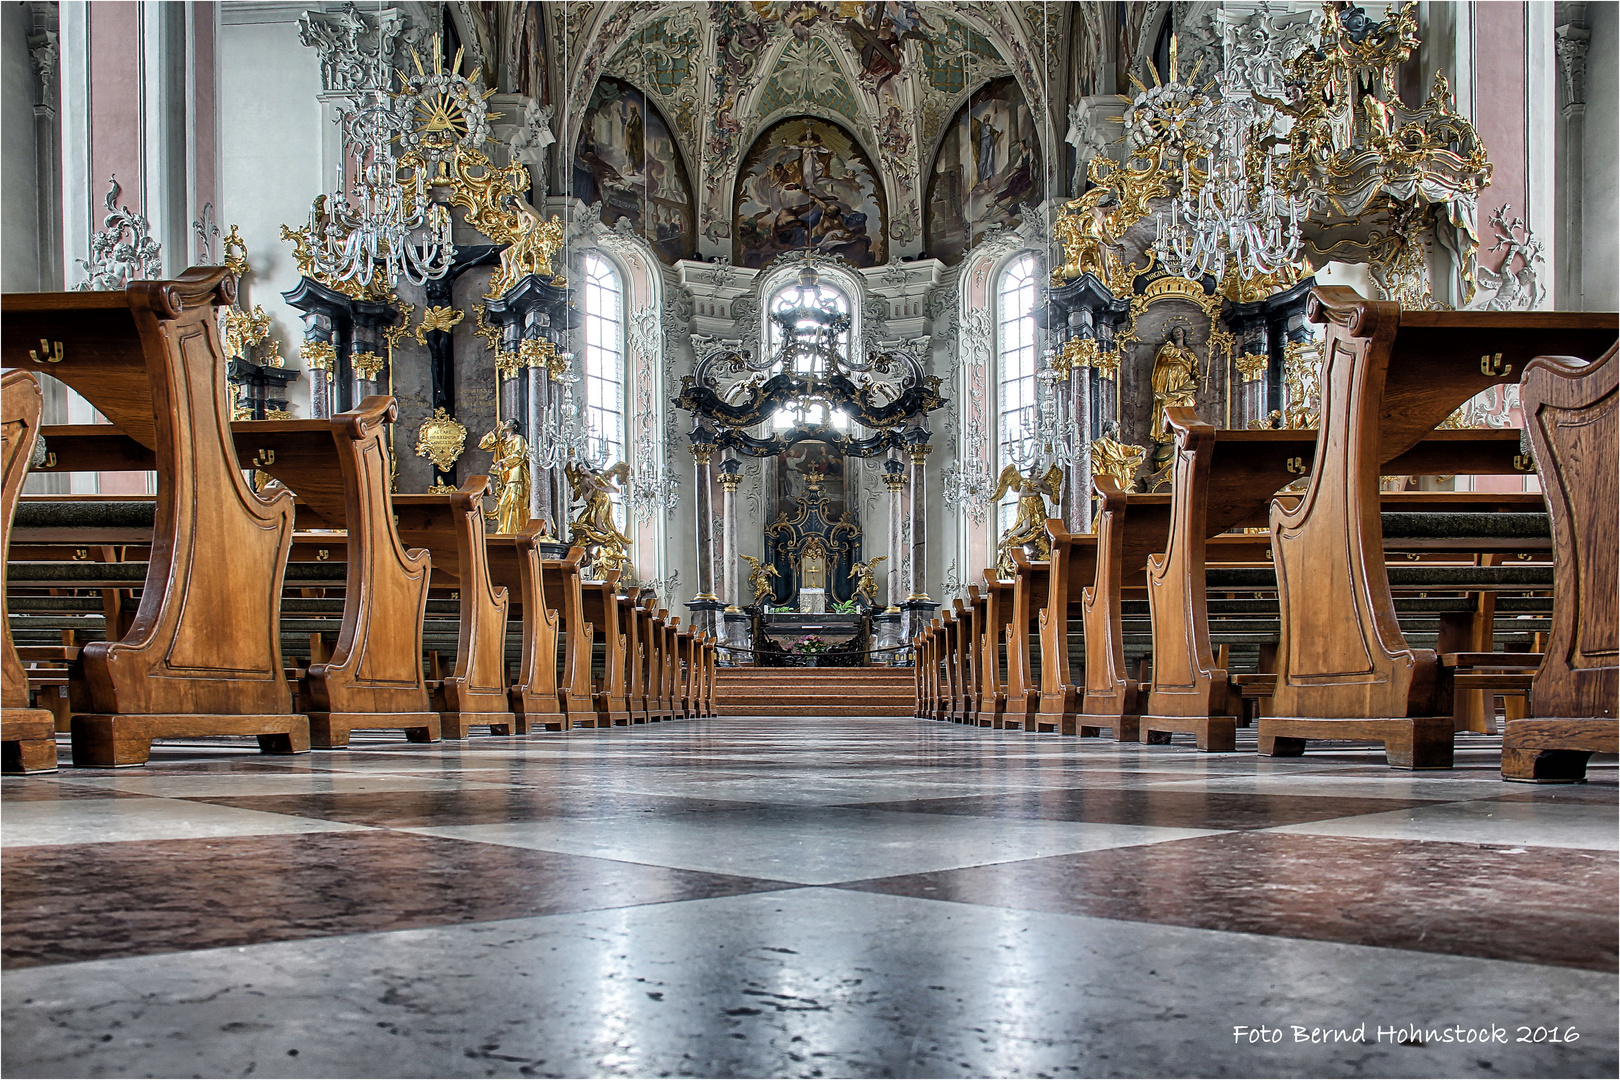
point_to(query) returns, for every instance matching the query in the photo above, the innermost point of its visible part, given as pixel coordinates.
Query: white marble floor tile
(94, 821)
(1590, 826)
(812, 982)
(814, 845)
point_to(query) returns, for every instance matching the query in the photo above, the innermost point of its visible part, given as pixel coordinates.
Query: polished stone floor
(836, 897)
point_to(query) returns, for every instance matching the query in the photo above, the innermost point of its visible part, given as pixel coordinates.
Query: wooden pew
(930, 667)
(451, 527)
(373, 679)
(671, 667)
(1109, 693)
(537, 700)
(340, 471)
(577, 690)
(683, 673)
(995, 607)
(710, 650)
(611, 696)
(637, 650)
(1030, 591)
(965, 706)
(1189, 692)
(203, 654)
(1573, 419)
(1389, 377)
(478, 693)
(27, 734)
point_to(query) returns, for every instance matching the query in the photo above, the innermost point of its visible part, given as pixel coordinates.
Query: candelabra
(1230, 217)
(370, 218)
(561, 436)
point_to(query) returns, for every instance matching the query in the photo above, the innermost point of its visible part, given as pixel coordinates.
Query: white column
(894, 477)
(730, 480)
(1541, 130)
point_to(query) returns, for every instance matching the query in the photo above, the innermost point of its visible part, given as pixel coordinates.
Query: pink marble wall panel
(115, 101)
(1499, 105)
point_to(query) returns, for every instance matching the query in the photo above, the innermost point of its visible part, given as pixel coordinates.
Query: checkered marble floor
(837, 897)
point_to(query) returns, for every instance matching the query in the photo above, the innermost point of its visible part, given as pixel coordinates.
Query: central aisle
(826, 897)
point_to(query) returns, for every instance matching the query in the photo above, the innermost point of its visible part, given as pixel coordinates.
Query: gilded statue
(594, 528)
(865, 575)
(1029, 531)
(1082, 232)
(1110, 457)
(533, 243)
(1175, 380)
(759, 579)
(510, 465)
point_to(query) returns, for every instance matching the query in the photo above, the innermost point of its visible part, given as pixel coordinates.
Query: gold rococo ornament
(367, 365)
(441, 439)
(1251, 366)
(438, 317)
(318, 355)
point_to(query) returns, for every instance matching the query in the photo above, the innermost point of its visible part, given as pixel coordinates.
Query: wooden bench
(27, 733)
(994, 608)
(203, 654)
(1573, 420)
(1389, 378)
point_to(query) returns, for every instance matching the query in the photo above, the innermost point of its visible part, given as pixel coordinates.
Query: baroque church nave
(808, 538)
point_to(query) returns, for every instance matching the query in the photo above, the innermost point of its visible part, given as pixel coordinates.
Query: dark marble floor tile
(475, 806)
(63, 904)
(1170, 807)
(1541, 905)
(37, 789)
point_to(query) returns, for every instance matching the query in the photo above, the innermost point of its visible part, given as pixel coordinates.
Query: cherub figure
(760, 578)
(1030, 528)
(865, 577)
(594, 528)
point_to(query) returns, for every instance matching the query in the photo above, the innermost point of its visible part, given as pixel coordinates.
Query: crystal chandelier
(369, 221)
(560, 436)
(1231, 219)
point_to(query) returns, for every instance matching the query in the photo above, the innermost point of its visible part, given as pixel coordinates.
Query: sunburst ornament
(441, 110)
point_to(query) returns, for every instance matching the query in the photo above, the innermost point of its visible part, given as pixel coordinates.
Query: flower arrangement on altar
(814, 645)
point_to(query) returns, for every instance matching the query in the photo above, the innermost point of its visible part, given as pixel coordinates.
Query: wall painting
(989, 162)
(626, 159)
(807, 184)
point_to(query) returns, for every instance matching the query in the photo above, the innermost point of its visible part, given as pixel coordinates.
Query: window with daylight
(815, 311)
(1016, 364)
(604, 365)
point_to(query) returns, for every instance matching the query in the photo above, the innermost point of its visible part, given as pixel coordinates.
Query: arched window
(1016, 364)
(816, 316)
(604, 362)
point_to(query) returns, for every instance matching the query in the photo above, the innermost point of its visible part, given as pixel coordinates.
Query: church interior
(810, 538)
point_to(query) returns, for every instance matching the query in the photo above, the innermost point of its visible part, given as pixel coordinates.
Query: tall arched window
(818, 316)
(1016, 364)
(604, 361)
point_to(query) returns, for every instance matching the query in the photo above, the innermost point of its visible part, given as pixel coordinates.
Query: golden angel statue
(534, 241)
(1030, 528)
(1175, 380)
(509, 452)
(1082, 232)
(759, 579)
(1110, 457)
(594, 528)
(865, 577)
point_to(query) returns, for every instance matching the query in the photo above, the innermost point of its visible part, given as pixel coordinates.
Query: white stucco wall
(270, 154)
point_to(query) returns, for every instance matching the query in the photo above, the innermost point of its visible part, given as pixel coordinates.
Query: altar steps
(749, 691)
